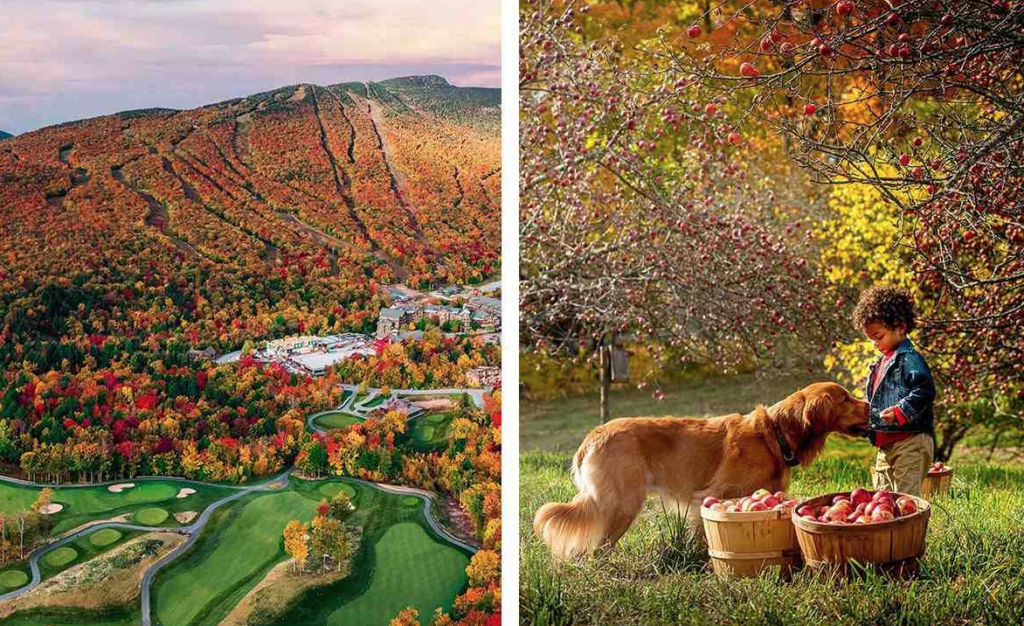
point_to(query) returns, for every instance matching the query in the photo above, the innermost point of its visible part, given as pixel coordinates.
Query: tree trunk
(606, 380)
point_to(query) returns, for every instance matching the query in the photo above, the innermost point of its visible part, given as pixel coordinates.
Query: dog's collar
(787, 452)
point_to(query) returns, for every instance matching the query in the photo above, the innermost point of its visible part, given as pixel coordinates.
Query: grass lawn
(237, 547)
(332, 489)
(84, 504)
(13, 579)
(377, 401)
(61, 556)
(659, 574)
(104, 537)
(430, 432)
(71, 617)
(336, 419)
(411, 570)
(152, 516)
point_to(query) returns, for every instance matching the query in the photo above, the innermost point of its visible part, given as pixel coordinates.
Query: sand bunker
(435, 404)
(120, 487)
(185, 517)
(50, 509)
(185, 492)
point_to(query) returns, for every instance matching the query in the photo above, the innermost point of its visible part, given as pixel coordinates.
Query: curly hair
(890, 306)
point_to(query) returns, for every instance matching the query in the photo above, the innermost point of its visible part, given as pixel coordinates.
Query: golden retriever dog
(684, 460)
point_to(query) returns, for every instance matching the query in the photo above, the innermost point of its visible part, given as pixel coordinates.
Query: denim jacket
(905, 382)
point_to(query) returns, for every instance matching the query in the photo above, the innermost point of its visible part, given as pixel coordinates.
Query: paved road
(192, 530)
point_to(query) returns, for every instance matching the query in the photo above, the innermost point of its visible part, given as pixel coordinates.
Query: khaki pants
(903, 465)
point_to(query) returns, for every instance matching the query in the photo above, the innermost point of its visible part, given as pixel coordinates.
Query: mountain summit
(391, 180)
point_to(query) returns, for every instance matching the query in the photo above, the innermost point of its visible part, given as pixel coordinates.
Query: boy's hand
(889, 415)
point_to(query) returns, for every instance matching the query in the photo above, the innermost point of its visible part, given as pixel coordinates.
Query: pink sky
(72, 59)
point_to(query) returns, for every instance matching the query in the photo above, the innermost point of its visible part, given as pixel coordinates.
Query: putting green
(437, 418)
(61, 556)
(13, 579)
(105, 537)
(333, 420)
(331, 489)
(411, 570)
(151, 516)
(411, 501)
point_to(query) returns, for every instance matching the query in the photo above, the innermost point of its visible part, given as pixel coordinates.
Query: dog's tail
(570, 529)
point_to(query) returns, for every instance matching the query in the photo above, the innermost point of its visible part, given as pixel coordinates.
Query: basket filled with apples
(746, 535)
(881, 529)
(938, 479)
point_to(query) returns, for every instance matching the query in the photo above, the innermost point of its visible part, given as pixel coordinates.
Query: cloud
(184, 53)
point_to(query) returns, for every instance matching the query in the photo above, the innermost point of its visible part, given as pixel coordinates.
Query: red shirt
(883, 439)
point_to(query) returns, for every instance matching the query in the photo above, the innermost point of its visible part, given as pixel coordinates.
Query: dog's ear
(818, 412)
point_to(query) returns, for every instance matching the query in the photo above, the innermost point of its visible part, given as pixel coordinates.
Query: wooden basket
(937, 483)
(743, 544)
(893, 546)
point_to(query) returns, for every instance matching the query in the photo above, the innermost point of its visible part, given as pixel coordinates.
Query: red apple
(824, 50)
(729, 503)
(717, 506)
(841, 498)
(780, 507)
(905, 158)
(760, 494)
(790, 503)
(860, 495)
(732, 509)
(770, 501)
(693, 31)
(766, 44)
(882, 515)
(880, 494)
(734, 138)
(809, 516)
(749, 70)
(862, 519)
(780, 496)
(822, 510)
(838, 517)
(710, 109)
(757, 506)
(844, 8)
(708, 501)
(805, 510)
(810, 108)
(906, 505)
(860, 508)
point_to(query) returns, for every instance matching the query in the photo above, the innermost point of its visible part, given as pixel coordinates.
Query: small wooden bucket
(743, 544)
(893, 546)
(937, 483)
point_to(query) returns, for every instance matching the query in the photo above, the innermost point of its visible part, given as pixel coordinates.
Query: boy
(900, 390)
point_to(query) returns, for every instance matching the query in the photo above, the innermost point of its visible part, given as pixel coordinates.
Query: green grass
(13, 579)
(84, 504)
(152, 516)
(72, 617)
(61, 556)
(411, 501)
(411, 570)
(235, 551)
(104, 537)
(335, 419)
(429, 432)
(659, 572)
(377, 401)
(332, 489)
